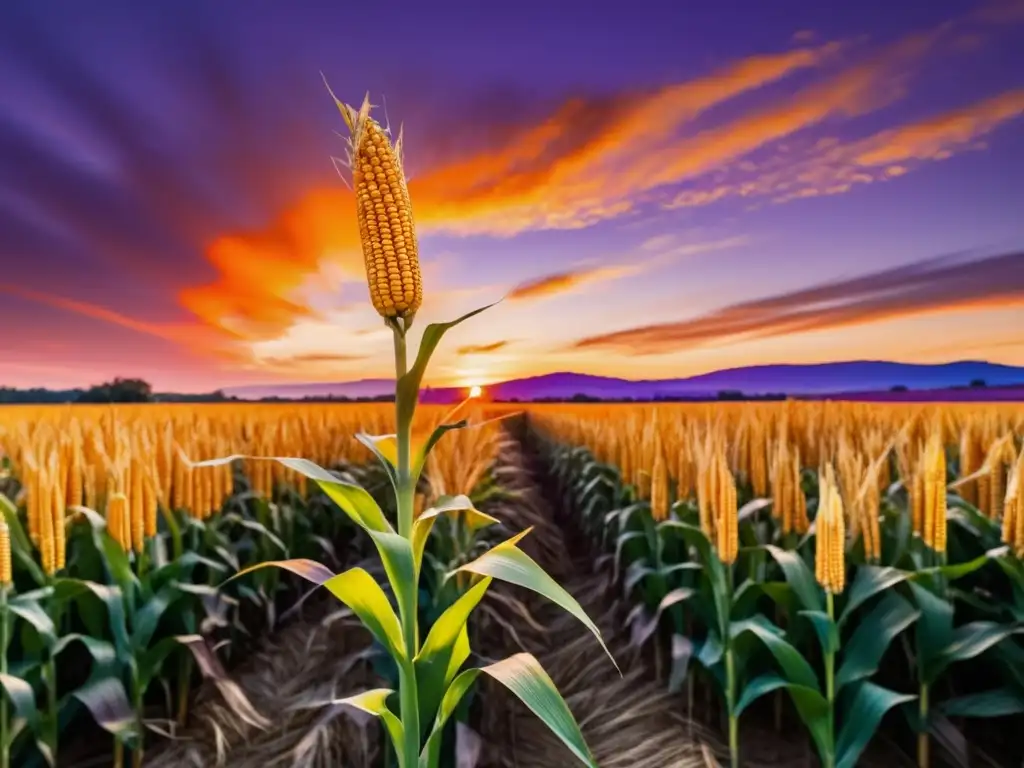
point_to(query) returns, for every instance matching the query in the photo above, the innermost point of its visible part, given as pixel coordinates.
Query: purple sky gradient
(169, 208)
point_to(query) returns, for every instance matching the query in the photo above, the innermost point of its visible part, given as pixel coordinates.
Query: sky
(654, 189)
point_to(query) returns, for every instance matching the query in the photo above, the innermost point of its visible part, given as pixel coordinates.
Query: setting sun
(475, 391)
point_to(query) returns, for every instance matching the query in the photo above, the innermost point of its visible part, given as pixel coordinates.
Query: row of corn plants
(863, 560)
(113, 550)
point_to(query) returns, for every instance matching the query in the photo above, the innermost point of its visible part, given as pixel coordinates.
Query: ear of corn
(384, 209)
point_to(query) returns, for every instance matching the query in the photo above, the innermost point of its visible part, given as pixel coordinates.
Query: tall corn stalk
(430, 684)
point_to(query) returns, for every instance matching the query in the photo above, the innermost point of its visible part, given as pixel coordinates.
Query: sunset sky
(659, 189)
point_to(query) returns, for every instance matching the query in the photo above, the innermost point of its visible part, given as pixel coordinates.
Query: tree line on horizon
(135, 390)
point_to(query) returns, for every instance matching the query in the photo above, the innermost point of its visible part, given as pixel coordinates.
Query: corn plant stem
(184, 684)
(828, 760)
(50, 673)
(407, 608)
(936, 559)
(922, 734)
(730, 677)
(137, 751)
(5, 758)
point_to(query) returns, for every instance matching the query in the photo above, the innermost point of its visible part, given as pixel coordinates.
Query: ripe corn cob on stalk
(384, 209)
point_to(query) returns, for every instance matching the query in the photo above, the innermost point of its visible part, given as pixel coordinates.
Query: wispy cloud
(182, 333)
(564, 282)
(939, 137)
(483, 349)
(934, 285)
(313, 358)
(830, 167)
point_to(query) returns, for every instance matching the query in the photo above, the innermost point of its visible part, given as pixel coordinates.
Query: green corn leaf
(459, 655)
(310, 570)
(150, 660)
(112, 599)
(999, 702)
(107, 702)
(397, 557)
(934, 628)
(711, 651)
(115, 559)
(259, 528)
(441, 649)
(362, 594)
(645, 625)
(30, 611)
(21, 546)
(771, 681)
(713, 568)
(439, 431)
(953, 571)
(867, 708)
(828, 633)
(374, 702)
(781, 593)
(148, 617)
(372, 442)
(507, 562)
(523, 675)
(869, 581)
(21, 695)
(620, 547)
(407, 388)
(446, 505)
(104, 655)
(799, 577)
(966, 642)
(793, 664)
(875, 632)
(355, 501)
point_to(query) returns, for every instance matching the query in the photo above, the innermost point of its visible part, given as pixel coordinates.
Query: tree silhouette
(119, 391)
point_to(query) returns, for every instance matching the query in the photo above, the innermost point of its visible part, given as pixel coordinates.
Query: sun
(475, 391)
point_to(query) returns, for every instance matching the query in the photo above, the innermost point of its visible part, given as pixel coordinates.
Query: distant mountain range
(864, 377)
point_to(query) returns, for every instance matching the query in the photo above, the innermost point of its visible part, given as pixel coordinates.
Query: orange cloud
(934, 285)
(314, 357)
(563, 282)
(186, 334)
(830, 167)
(481, 349)
(938, 136)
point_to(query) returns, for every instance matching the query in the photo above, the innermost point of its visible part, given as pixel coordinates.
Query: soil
(317, 657)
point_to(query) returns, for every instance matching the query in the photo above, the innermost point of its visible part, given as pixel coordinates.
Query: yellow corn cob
(47, 548)
(829, 559)
(659, 489)
(727, 523)
(6, 572)
(117, 513)
(934, 533)
(384, 209)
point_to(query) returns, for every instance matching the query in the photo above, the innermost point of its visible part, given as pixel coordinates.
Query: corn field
(848, 570)
(834, 565)
(114, 550)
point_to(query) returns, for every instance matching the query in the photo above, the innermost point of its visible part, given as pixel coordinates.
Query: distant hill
(817, 380)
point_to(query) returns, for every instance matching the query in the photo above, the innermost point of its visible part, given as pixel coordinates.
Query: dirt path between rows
(315, 658)
(629, 721)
